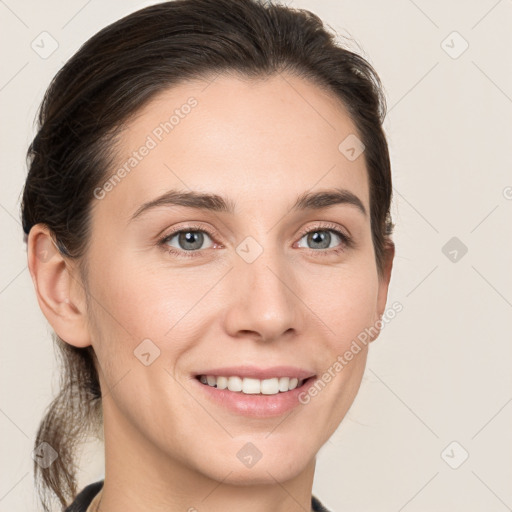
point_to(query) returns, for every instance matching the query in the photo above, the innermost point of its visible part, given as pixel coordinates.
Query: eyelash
(346, 241)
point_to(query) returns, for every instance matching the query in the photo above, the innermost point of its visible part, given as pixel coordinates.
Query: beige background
(441, 370)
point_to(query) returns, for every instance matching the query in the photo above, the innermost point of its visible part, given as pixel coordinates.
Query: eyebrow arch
(216, 203)
(326, 198)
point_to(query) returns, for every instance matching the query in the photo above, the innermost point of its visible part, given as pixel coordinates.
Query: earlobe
(57, 291)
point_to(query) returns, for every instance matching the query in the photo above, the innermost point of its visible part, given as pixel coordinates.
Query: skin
(257, 142)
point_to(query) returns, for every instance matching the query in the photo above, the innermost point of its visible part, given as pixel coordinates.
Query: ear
(382, 296)
(58, 287)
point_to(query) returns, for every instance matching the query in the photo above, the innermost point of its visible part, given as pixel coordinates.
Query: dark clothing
(86, 495)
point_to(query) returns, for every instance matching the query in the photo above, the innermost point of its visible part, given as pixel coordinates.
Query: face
(252, 284)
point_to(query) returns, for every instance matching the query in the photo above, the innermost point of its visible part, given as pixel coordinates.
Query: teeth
(284, 383)
(222, 382)
(235, 384)
(270, 386)
(252, 386)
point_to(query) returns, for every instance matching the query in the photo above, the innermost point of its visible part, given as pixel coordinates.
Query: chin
(261, 474)
(260, 462)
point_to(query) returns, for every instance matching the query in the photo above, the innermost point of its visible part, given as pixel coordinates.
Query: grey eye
(188, 240)
(320, 238)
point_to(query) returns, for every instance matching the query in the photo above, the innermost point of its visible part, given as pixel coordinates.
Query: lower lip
(256, 406)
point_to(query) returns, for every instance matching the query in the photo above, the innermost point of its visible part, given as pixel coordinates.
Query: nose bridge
(264, 301)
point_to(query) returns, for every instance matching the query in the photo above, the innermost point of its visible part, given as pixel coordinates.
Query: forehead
(250, 139)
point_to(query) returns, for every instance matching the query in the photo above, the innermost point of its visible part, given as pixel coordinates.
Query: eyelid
(347, 240)
(326, 225)
(212, 232)
(190, 226)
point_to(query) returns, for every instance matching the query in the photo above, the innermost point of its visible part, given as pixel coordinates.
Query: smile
(251, 386)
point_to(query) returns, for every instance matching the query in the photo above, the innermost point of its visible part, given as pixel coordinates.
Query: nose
(264, 304)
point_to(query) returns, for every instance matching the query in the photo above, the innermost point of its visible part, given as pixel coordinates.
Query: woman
(208, 230)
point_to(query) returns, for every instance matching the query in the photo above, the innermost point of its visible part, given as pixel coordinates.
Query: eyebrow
(217, 203)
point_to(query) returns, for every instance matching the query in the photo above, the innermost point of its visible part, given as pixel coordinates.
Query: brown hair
(111, 77)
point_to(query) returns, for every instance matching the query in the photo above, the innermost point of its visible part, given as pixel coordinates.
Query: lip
(256, 406)
(256, 372)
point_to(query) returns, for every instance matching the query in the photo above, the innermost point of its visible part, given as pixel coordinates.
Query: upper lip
(256, 372)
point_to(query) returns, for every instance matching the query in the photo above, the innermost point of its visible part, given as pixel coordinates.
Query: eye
(186, 242)
(326, 238)
(189, 241)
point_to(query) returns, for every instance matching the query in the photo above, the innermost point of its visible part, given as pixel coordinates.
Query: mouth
(252, 386)
(255, 392)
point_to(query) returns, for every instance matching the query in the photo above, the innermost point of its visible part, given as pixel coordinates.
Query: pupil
(189, 237)
(321, 237)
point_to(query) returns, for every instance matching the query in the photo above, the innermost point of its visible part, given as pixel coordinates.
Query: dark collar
(86, 495)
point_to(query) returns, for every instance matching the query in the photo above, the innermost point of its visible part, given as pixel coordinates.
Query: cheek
(344, 299)
(345, 305)
(138, 300)
(135, 303)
